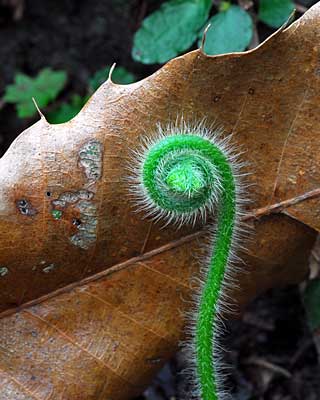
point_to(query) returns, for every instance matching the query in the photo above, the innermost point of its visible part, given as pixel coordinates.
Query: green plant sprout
(45, 87)
(181, 176)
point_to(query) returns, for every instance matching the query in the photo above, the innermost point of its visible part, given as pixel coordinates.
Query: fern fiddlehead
(184, 174)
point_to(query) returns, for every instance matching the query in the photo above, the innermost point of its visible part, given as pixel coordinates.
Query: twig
(269, 366)
(253, 320)
(300, 351)
(300, 8)
(279, 207)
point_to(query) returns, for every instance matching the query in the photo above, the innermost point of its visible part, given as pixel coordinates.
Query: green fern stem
(182, 176)
(210, 296)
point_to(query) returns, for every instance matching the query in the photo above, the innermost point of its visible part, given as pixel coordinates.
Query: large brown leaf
(93, 315)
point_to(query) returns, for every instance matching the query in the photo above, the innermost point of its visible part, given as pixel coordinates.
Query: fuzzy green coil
(183, 176)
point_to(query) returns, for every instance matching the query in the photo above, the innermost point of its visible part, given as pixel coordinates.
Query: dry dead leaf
(94, 315)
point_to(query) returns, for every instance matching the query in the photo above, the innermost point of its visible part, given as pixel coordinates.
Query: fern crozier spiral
(183, 174)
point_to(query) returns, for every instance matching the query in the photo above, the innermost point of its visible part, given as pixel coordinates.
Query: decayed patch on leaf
(90, 161)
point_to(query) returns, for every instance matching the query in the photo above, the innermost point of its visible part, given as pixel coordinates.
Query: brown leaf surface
(94, 315)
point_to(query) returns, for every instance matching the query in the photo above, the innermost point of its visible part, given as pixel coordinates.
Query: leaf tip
(38, 109)
(204, 36)
(290, 19)
(111, 72)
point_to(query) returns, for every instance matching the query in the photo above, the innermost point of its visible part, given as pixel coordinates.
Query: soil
(271, 349)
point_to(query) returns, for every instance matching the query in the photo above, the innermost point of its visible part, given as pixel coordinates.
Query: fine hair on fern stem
(185, 173)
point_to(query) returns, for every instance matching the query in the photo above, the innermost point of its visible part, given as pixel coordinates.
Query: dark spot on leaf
(22, 203)
(25, 207)
(76, 222)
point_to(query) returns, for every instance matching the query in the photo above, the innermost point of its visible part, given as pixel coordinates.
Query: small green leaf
(230, 31)
(170, 30)
(44, 88)
(312, 303)
(275, 12)
(67, 111)
(57, 214)
(119, 75)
